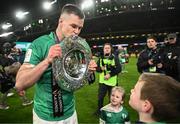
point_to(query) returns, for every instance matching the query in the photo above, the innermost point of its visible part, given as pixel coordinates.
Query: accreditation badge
(152, 69)
(28, 55)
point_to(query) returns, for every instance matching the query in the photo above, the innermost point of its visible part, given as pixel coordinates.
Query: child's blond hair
(120, 89)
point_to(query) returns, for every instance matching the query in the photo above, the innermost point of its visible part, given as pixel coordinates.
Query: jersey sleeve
(33, 54)
(125, 116)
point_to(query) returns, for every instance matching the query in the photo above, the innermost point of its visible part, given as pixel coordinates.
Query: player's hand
(54, 51)
(92, 65)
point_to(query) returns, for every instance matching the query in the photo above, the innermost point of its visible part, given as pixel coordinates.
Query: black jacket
(147, 54)
(6, 81)
(171, 60)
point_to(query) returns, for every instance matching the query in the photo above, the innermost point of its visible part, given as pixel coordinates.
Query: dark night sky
(9, 7)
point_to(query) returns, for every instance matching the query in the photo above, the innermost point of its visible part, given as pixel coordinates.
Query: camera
(156, 59)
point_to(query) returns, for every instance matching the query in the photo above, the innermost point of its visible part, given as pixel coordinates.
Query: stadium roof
(104, 18)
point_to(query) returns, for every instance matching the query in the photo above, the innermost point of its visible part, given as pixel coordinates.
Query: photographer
(150, 58)
(8, 70)
(108, 68)
(6, 80)
(171, 58)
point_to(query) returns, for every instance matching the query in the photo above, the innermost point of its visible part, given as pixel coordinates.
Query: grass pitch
(86, 100)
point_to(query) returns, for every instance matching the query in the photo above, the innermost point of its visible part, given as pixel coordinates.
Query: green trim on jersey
(108, 115)
(43, 105)
(112, 81)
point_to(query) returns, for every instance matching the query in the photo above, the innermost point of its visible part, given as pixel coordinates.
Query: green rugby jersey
(43, 105)
(109, 116)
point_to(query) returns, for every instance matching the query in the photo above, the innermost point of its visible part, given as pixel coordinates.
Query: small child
(156, 97)
(114, 112)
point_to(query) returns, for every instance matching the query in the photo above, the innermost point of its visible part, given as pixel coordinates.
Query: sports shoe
(10, 94)
(4, 107)
(28, 102)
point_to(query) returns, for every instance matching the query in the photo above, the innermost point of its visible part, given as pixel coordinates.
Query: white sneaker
(10, 94)
(26, 103)
(4, 107)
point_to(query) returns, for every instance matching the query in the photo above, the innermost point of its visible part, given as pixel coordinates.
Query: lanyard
(56, 91)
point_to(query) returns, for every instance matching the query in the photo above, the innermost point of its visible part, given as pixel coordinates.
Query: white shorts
(70, 120)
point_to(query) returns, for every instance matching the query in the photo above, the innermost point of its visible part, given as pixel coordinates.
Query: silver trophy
(71, 70)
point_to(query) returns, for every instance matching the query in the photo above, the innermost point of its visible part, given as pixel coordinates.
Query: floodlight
(6, 26)
(48, 5)
(6, 34)
(21, 14)
(86, 4)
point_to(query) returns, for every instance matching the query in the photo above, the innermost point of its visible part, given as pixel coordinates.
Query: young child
(156, 97)
(114, 112)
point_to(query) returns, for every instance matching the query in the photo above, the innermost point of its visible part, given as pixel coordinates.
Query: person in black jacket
(150, 58)
(8, 70)
(171, 58)
(108, 67)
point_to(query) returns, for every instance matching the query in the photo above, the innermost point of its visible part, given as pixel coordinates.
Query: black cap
(172, 36)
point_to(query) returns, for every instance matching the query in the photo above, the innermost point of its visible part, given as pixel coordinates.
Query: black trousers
(103, 89)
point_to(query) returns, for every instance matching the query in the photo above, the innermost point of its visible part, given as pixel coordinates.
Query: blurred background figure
(9, 65)
(123, 57)
(171, 58)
